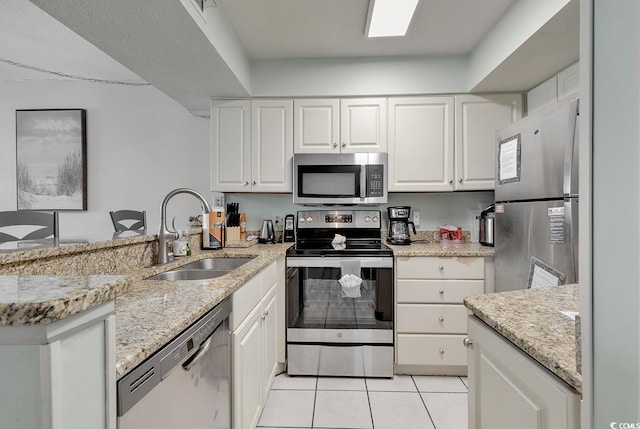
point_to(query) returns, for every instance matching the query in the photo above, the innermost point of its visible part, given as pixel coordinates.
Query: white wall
(358, 77)
(140, 145)
(616, 189)
(435, 208)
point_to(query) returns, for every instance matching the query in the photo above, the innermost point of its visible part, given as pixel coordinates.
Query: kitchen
(140, 136)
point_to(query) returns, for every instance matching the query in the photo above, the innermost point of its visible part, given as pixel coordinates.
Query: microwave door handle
(363, 181)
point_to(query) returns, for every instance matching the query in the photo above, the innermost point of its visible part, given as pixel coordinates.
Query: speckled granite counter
(34, 289)
(437, 249)
(153, 312)
(532, 320)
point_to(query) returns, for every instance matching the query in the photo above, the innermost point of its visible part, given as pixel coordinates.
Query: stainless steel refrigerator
(536, 220)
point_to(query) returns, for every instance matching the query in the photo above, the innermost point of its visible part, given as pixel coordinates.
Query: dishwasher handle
(204, 348)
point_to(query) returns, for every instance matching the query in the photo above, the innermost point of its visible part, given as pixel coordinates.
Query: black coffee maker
(399, 225)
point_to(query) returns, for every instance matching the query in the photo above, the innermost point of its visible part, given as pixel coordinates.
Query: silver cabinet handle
(451, 181)
(441, 292)
(204, 348)
(441, 319)
(335, 144)
(254, 182)
(467, 342)
(441, 268)
(265, 314)
(246, 183)
(459, 179)
(441, 351)
(344, 144)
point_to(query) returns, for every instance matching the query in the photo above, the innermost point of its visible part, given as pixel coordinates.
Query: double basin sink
(203, 269)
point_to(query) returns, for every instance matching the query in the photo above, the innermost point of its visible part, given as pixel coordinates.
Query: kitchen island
(524, 359)
(76, 316)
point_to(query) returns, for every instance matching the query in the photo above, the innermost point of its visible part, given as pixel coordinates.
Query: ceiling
(30, 36)
(131, 42)
(336, 28)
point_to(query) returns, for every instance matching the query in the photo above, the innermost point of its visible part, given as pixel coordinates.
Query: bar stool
(136, 220)
(46, 225)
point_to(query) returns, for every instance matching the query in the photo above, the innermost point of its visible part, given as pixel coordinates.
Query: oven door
(338, 330)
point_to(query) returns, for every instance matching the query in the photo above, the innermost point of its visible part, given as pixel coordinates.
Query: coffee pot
(399, 225)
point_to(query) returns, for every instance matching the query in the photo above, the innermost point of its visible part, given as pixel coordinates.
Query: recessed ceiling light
(389, 18)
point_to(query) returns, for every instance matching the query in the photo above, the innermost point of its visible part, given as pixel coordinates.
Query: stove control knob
(309, 219)
(302, 220)
(367, 219)
(375, 219)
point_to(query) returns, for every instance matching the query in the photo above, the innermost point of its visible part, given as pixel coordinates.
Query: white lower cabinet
(431, 321)
(508, 389)
(255, 345)
(60, 375)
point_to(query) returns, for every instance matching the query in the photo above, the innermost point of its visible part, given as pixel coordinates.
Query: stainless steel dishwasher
(185, 384)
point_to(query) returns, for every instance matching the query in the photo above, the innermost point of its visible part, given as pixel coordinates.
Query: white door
(363, 125)
(231, 147)
(272, 145)
(270, 338)
(247, 371)
(420, 144)
(477, 120)
(316, 125)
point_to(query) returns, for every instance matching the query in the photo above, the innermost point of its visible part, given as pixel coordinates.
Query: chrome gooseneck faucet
(165, 235)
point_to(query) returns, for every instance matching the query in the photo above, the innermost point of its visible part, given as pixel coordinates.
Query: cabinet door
(247, 371)
(420, 144)
(272, 145)
(316, 125)
(270, 339)
(363, 125)
(569, 81)
(231, 147)
(477, 120)
(509, 389)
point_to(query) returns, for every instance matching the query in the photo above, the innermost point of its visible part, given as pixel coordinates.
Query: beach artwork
(51, 159)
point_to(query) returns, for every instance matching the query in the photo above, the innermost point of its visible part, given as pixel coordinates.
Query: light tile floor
(411, 402)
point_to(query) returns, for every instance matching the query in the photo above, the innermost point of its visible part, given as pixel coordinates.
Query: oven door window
(317, 300)
(336, 181)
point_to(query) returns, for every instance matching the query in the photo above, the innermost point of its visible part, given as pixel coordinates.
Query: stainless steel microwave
(335, 179)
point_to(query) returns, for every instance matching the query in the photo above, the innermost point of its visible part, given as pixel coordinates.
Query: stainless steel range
(339, 296)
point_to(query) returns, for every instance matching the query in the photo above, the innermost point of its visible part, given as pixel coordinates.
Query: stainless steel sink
(182, 274)
(203, 269)
(227, 264)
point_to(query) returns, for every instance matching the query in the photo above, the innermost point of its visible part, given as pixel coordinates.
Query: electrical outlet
(416, 218)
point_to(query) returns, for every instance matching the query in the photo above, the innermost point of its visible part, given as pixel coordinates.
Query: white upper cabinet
(316, 125)
(231, 149)
(334, 126)
(252, 147)
(363, 125)
(477, 118)
(420, 144)
(272, 145)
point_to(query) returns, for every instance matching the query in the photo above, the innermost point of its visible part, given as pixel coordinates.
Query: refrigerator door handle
(570, 180)
(571, 231)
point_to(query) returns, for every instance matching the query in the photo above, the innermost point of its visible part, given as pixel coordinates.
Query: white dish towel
(350, 281)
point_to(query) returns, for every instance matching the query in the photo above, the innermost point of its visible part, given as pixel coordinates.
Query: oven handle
(334, 262)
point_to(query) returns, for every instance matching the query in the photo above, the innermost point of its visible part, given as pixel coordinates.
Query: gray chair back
(133, 220)
(46, 225)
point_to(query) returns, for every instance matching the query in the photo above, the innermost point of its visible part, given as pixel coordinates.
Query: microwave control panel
(375, 181)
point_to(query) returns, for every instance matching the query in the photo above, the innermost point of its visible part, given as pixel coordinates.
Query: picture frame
(51, 159)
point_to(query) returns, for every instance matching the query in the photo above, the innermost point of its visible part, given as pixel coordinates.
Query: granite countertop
(532, 320)
(417, 248)
(153, 312)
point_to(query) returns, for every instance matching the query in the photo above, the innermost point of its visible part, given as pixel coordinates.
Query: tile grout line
(433, 423)
(315, 397)
(366, 388)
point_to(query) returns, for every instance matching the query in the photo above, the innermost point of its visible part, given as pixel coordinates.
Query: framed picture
(51, 159)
